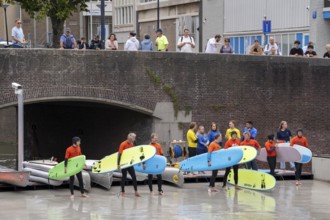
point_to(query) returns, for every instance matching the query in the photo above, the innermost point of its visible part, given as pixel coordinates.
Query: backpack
(68, 44)
(182, 40)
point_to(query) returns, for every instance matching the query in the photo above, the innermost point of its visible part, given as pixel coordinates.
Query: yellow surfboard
(252, 179)
(249, 153)
(130, 157)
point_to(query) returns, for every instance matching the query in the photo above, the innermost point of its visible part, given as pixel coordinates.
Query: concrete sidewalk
(309, 201)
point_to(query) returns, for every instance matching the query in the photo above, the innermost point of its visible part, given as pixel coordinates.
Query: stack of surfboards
(51, 173)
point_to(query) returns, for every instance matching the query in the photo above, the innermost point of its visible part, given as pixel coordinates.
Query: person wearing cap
(161, 41)
(296, 51)
(302, 141)
(73, 151)
(256, 49)
(132, 44)
(213, 44)
(67, 40)
(234, 141)
(146, 44)
(18, 35)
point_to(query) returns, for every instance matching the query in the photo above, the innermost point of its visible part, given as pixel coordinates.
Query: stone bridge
(102, 95)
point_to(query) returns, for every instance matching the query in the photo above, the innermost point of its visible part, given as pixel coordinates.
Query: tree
(57, 10)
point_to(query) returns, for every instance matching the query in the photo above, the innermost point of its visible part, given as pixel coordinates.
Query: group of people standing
(200, 142)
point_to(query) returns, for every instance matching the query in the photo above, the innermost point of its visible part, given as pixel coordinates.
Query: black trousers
(272, 164)
(235, 168)
(192, 151)
(298, 170)
(159, 182)
(212, 180)
(81, 183)
(131, 172)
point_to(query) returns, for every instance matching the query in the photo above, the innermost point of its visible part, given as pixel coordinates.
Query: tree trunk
(57, 26)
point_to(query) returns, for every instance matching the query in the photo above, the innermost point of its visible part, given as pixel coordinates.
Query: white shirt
(268, 49)
(132, 44)
(187, 48)
(213, 46)
(18, 33)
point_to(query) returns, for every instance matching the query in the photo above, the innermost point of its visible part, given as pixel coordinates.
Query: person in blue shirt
(202, 141)
(213, 132)
(249, 128)
(284, 136)
(146, 44)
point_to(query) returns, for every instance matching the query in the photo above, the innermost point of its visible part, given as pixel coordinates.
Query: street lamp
(19, 92)
(5, 6)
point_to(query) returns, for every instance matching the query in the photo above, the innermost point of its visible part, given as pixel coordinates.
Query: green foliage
(154, 77)
(8, 2)
(187, 110)
(55, 9)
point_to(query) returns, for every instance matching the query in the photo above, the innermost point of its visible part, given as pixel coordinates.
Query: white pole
(20, 99)
(91, 19)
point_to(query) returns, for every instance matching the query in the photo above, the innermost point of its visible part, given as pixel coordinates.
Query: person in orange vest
(214, 146)
(302, 141)
(159, 151)
(233, 141)
(270, 146)
(73, 151)
(123, 146)
(252, 143)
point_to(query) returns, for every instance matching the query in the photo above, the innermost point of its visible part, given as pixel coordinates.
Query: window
(124, 15)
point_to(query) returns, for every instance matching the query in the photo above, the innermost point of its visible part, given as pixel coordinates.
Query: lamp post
(102, 8)
(19, 92)
(5, 6)
(158, 14)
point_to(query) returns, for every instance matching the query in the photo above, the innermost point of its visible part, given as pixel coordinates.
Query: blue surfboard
(155, 165)
(219, 160)
(306, 154)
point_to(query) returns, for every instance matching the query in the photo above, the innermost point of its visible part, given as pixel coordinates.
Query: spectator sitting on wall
(82, 44)
(111, 43)
(213, 44)
(161, 41)
(18, 35)
(226, 48)
(273, 52)
(186, 43)
(310, 52)
(96, 43)
(305, 48)
(256, 49)
(146, 44)
(296, 50)
(132, 44)
(67, 40)
(272, 44)
(327, 54)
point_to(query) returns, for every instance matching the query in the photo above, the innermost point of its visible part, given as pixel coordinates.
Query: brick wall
(217, 88)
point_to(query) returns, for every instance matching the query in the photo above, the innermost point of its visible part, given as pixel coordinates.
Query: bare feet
(224, 188)
(161, 193)
(122, 194)
(237, 187)
(72, 197)
(137, 194)
(84, 195)
(212, 189)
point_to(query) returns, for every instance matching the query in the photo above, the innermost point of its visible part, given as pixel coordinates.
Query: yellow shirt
(229, 130)
(162, 42)
(191, 138)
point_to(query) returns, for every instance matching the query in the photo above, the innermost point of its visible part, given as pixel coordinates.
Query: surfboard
(129, 157)
(252, 179)
(284, 154)
(249, 153)
(306, 153)
(174, 176)
(219, 160)
(155, 165)
(89, 164)
(75, 165)
(102, 179)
